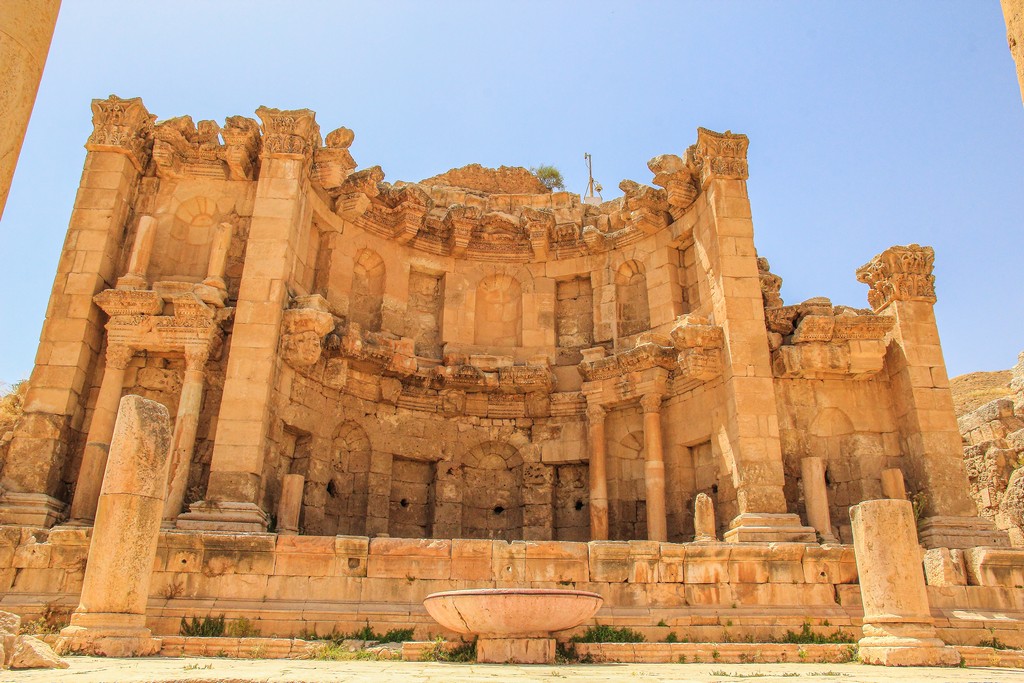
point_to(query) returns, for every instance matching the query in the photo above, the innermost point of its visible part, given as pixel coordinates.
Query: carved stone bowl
(512, 612)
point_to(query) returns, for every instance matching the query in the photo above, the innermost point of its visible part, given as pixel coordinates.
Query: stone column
(892, 484)
(903, 287)
(654, 468)
(111, 617)
(1013, 13)
(597, 469)
(218, 257)
(101, 430)
(748, 422)
(898, 626)
(142, 251)
(279, 217)
(26, 29)
(185, 424)
(812, 474)
(72, 335)
(704, 528)
(290, 505)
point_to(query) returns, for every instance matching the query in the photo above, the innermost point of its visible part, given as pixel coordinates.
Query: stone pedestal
(898, 627)
(515, 650)
(111, 618)
(26, 29)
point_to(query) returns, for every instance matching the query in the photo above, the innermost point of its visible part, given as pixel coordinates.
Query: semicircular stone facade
(471, 356)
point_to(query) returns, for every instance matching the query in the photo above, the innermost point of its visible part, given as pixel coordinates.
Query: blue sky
(871, 123)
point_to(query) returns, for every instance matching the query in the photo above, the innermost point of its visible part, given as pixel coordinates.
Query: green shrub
(466, 652)
(608, 634)
(207, 627)
(241, 628)
(808, 637)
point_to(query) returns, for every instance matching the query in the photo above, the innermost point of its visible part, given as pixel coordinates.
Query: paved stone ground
(208, 670)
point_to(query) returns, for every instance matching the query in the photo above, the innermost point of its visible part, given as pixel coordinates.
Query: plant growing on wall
(549, 176)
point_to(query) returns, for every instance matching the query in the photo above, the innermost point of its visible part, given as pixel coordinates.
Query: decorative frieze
(900, 273)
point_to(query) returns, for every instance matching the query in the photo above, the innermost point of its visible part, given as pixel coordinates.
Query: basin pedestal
(517, 650)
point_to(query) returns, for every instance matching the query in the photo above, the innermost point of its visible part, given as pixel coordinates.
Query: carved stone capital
(196, 356)
(119, 355)
(650, 403)
(900, 273)
(333, 163)
(242, 147)
(719, 155)
(122, 126)
(596, 413)
(290, 134)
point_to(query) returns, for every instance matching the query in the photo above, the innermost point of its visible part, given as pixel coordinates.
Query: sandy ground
(201, 670)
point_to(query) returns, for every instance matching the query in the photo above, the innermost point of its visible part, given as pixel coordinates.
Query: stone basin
(513, 624)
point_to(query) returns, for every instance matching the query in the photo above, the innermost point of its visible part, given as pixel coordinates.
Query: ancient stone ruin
(383, 390)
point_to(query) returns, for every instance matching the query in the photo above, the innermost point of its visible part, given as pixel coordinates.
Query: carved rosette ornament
(899, 274)
(719, 155)
(290, 134)
(122, 126)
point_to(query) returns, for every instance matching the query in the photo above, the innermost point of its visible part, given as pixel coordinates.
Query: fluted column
(654, 468)
(185, 424)
(101, 429)
(598, 473)
(26, 29)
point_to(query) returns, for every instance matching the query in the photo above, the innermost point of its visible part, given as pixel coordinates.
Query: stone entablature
(404, 347)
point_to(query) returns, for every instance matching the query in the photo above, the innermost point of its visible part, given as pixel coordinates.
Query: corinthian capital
(290, 133)
(122, 126)
(899, 274)
(719, 155)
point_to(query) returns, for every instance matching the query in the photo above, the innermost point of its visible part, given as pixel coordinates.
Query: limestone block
(707, 564)
(305, 556)
(671, 567)
(471, 560)
(405, 557)
(996, 567)
(609, 561)
(10, 624)
(557, 561)
(945, 567)
(32, 653)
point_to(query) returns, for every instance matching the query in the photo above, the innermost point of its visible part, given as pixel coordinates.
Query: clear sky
(871, 123)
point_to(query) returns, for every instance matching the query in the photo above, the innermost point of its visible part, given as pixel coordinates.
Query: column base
(30, 509)
(108, 635)
(217, 516)
(515, 650)
(762, 527)
(893, 651)
(960, 532)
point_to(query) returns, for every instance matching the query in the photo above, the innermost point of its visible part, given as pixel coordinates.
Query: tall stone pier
(898, 626)
(111, 618)
(26, 29)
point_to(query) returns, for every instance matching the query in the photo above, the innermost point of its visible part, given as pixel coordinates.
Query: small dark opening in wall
(498, 509)
(332, 490)
(578, 505)
(404, 502)
(828, 479)
(714, 488)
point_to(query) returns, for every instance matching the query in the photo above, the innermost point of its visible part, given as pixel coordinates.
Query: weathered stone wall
(716, 593)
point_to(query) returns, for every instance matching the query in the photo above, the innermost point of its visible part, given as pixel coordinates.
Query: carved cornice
(333, 163)
(899, 274)
(122, 126)
(771, 284)
(242, 147)
(719, 155)
(289, 134)
(672, 173)
(136, 321)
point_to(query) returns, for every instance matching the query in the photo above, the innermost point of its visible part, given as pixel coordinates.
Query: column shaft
(598, 474)
(654, 470)
(26, 29)
(184, 440)
(101, 429)
(290, 505)
(816, 497)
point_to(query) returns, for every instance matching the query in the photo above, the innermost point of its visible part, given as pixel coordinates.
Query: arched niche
(492, 503)
(632, 309)
(367, 297)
